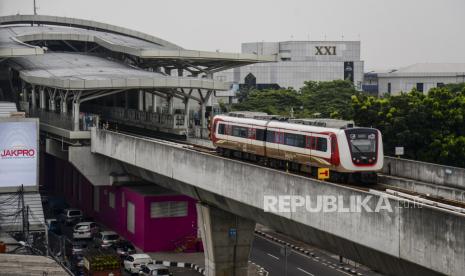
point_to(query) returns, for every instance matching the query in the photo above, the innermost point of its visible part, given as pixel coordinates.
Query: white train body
(343, 150)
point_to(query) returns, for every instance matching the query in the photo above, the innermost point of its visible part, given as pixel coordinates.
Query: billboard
(19, 152)
(349, 70)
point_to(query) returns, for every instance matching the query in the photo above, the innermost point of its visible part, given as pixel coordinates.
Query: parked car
(154, 270)
(132, 263)
(70, 216)
(105, 239)
(53, 226)
(85, 230)
(124, 248)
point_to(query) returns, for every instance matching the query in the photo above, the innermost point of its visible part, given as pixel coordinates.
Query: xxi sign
(325, 50)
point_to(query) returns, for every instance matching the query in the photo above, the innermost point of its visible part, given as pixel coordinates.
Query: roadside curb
(195, 267)
(201, 270)
(308, 253)
(261, 270)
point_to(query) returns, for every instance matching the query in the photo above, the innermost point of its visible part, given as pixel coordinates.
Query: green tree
(331, 99)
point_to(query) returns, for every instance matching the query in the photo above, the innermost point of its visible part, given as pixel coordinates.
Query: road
(270, 256)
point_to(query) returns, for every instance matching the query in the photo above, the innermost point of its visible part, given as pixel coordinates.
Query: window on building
(419, 86)
(111, 200)
(440, 84)
(389, 88)
(294, 140)
(221, 129)
(321, 144)
(131, 217)
(260, 134)
(168, 209)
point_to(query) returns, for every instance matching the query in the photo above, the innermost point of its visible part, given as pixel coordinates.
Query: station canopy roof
(15, 35)
(72, 71)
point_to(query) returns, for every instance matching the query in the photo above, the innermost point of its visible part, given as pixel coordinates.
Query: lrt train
(351, 153)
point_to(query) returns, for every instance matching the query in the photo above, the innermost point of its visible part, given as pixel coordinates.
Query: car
(85, 230)
(105, 239)
(70, 216)
(132, 263)
(53, 226)
(154, 270)
(124, 248)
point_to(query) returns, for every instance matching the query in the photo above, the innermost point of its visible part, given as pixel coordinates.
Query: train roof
(277, 124)
(324, 122)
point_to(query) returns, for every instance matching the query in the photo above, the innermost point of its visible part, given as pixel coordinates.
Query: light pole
(285, 252)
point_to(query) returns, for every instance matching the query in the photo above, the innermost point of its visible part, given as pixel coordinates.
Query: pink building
(151, 217)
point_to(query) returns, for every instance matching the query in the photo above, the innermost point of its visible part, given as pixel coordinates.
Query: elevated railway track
(410, 197)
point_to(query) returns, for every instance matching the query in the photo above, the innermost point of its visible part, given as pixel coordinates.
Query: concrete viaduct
(424, 240)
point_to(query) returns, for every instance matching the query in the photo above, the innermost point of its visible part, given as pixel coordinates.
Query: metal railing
(145, 119)
(65, 120)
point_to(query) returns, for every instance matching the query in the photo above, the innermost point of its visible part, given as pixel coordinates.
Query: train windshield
(362, 142)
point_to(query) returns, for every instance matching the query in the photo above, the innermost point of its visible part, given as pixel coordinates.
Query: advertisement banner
(349, 70)
(18, 153)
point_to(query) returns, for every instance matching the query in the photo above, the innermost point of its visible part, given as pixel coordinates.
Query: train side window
(251, 133)
(240, 131)
(221, 129)
(278, 138)
(243, 132)
(322, 144)
(270, 136)
(228, 129)
(311, 142)
(295, 140)
(308, 142)
(260, 134)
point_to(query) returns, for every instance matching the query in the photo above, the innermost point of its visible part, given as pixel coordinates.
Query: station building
(422, 76)
(297, 62)
(68, 75)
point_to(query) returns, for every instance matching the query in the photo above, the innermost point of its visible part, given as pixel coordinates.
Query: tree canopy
(430, 127)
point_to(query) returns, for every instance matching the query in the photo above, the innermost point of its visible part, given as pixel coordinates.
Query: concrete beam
(227, 241)
(97, 169)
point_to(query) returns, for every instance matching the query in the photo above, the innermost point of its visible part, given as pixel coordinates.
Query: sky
(393, 33)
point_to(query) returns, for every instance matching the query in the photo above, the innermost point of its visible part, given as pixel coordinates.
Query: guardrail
(65, 120)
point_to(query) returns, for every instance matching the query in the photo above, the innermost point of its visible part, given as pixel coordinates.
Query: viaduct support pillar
(227, 240)
(33, 98)
(42, 99)
(76, 106)
(141, 101)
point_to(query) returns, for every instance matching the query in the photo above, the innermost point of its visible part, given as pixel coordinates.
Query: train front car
(362, 153)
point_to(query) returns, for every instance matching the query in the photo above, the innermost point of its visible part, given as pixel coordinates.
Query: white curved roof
(13, 40)
(79, 72)
(83, 23)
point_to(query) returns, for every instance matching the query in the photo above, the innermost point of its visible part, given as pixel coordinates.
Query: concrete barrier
(425, 172)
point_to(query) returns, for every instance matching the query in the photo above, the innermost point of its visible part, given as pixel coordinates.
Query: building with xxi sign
(297, 62)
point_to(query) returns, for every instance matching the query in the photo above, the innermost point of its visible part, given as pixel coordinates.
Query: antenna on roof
(35, 8)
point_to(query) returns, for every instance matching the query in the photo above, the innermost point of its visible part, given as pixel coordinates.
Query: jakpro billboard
(19, 153)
